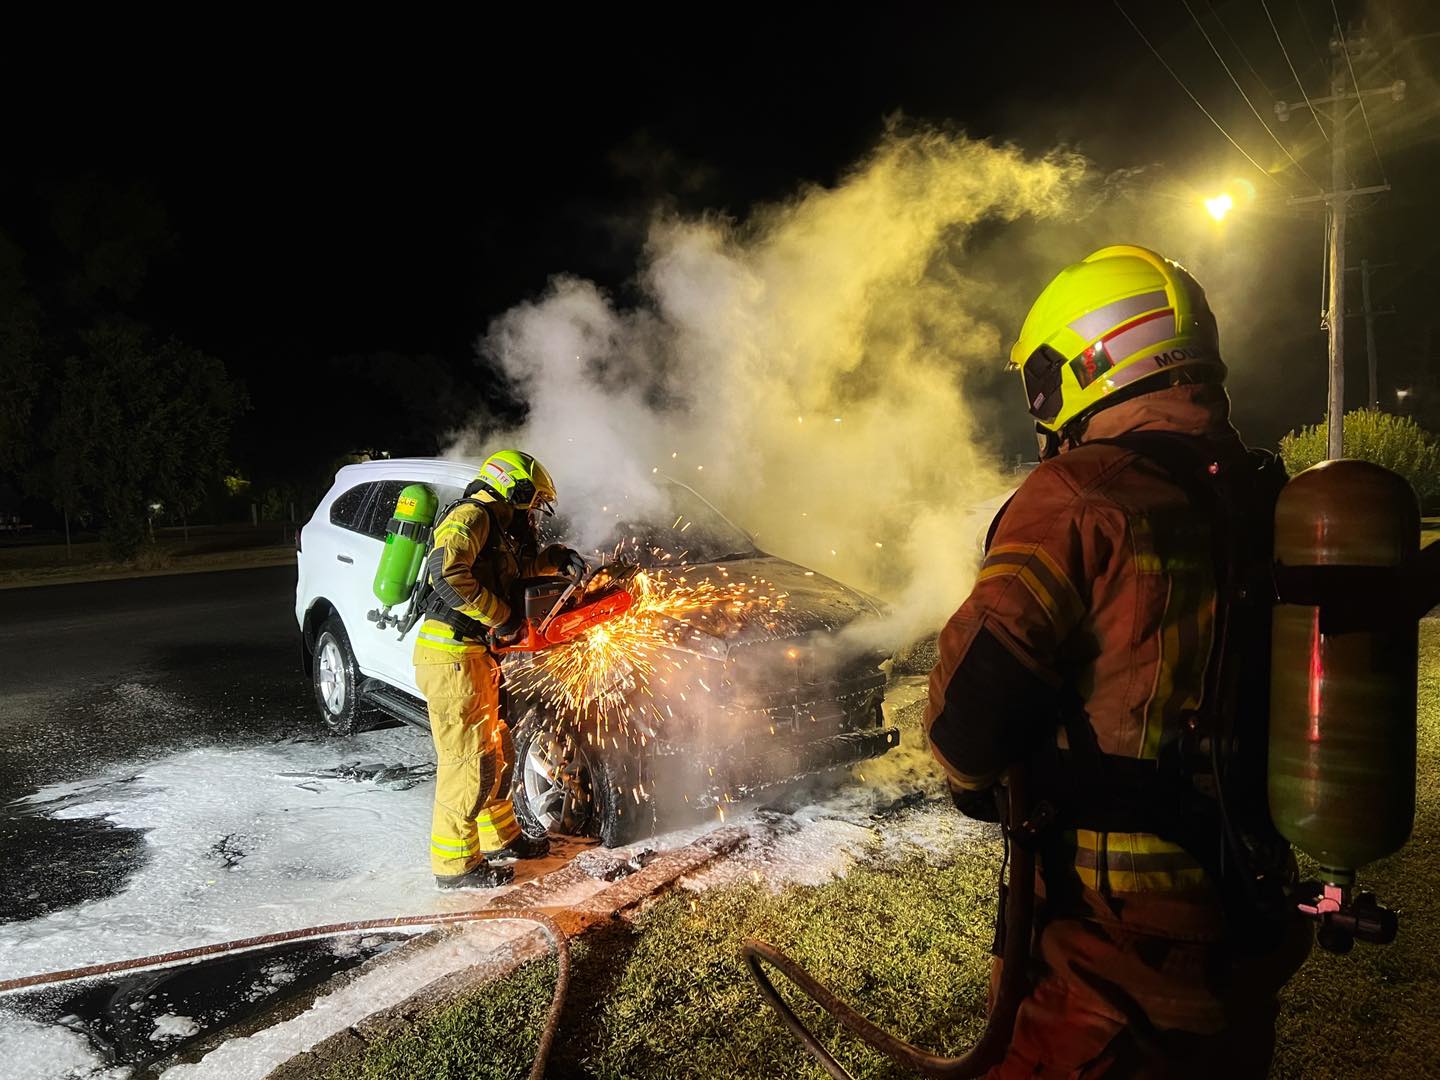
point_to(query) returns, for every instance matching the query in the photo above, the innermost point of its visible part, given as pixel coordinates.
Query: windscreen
(676, 527)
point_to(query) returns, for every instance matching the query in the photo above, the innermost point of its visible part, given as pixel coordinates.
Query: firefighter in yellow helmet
(1098, 651)
(483, 546)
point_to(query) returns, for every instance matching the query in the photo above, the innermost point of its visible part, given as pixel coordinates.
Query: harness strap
(426, 601)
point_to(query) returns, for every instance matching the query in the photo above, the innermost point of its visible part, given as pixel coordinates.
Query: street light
(1220, 205)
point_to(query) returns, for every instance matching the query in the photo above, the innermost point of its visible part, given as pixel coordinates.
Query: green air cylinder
(1342, 704)
(405, 539)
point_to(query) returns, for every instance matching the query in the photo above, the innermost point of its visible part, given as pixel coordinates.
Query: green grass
(908, 942)
(208, 547)
(670, 997)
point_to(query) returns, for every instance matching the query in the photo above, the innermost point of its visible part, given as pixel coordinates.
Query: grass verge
(907, 942)
(208, 548)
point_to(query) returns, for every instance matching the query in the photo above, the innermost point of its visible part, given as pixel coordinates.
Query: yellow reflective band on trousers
(439, 637)
(1134, 862)
(453, 847)
(497, 826)
(473, 756)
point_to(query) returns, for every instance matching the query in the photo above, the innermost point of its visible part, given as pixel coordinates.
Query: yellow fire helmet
(519, 479)
(1119, 316)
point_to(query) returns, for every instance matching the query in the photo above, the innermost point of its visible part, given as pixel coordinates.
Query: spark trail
(615, 679)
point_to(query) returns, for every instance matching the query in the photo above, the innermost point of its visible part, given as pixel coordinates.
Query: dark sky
(361, 187)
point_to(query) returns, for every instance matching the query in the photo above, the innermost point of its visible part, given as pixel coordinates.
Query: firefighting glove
(571, 563)
(504, 633)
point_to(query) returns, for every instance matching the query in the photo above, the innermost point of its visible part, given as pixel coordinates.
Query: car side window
(345, 511)
(382, 507)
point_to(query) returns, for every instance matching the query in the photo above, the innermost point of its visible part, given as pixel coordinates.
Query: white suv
(785, 701)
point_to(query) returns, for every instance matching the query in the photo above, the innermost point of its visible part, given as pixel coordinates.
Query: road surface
(165, 783)
(100, 674)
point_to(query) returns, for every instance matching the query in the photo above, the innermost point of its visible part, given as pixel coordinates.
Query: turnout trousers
(1117, 998)
(474, 755)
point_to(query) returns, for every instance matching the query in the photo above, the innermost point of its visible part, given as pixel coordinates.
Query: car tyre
(552, 787)
(579, 792)
(621, 816)
(336, 680)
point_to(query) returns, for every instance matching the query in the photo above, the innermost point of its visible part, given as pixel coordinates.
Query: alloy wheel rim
(332, 677)
(550, 790)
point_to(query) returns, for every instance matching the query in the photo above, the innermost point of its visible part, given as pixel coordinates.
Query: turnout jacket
(1097, 593)
(474, 567)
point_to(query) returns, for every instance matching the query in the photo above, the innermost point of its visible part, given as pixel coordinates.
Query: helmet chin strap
(1048, 442)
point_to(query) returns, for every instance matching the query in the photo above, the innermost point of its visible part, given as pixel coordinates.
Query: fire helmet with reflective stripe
(1120, 317)
(518, 479)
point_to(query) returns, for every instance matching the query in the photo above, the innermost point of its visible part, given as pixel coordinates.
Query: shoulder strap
(995, 521)
(420, 600)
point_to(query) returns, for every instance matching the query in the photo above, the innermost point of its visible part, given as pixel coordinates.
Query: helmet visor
(1042, 372)
(523, 493)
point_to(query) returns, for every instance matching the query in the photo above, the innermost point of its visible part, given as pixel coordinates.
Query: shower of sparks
(616, 677)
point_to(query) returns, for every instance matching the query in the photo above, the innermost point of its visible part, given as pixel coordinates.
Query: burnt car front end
(771, 695)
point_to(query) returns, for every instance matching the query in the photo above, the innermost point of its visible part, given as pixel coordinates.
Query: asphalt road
(97, 674)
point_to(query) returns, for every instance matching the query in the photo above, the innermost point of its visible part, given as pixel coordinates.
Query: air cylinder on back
(1342, 704)
(405, 540)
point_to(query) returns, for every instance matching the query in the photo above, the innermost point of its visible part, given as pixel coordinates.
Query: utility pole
(1335, 406)
(1367, 270)
(1344, 51)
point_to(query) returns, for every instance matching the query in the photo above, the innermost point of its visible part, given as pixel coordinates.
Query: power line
(1359, 94)
(1218, 126)
(1275, 138)
(1294, 74)
(1309, 38)
(1231, 38)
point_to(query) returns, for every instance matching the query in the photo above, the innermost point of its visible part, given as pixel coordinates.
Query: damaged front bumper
(727, 778)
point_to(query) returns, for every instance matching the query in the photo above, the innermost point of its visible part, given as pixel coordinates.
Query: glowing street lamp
(1219, 205)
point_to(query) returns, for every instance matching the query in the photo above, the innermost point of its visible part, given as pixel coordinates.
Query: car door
(348, 560)
(325, 546)
(374, 648)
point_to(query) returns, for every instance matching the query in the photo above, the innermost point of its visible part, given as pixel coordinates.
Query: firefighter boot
(522, 847)
(482, 876)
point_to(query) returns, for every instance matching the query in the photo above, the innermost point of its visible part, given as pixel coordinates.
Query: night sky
(364, 187)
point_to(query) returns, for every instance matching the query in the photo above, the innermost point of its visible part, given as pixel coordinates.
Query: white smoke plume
(805, 369)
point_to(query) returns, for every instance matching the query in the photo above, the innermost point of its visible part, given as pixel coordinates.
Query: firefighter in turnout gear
(1095, 652)
(483, 546)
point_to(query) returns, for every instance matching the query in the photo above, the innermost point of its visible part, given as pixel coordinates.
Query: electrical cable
(1309, 39)
(183, 956)
(1315, 116)
(1274, 138)
(1218, 126)
(1359, 94)
(1231, 37)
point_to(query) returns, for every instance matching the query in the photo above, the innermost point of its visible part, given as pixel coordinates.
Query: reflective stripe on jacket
(1099, 582)
(473, 577)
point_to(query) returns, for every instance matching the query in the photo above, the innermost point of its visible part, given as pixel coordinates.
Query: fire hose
(182, 956)
(1018, 923)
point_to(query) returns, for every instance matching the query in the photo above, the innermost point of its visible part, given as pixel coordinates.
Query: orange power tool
(557, 612)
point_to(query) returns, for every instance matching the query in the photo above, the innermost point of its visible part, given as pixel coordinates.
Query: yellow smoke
(806, 369)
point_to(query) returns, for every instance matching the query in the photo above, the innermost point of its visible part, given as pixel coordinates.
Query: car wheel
(572, 789)
(622, 814)
(553, 785)
(337, 681)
